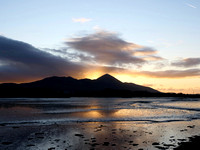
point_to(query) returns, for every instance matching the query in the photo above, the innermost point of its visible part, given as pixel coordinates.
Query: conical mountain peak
(107, 78)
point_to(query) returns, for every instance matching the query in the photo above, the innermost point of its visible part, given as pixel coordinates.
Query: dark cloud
(21, 61)
(70, 55)
(187, 62)
(108, 48)
(145, 51)
(172, 73)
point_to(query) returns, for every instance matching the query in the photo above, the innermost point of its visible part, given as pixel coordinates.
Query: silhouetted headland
(104, 86)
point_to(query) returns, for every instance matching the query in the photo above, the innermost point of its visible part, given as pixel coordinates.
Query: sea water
(60, 110)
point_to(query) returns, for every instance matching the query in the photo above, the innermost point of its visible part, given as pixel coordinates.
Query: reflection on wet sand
(188, 104)
(99, 135)
(95, 124)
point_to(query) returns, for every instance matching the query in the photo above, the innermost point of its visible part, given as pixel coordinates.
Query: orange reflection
(145, 112)
(93, 114)
(89, 114)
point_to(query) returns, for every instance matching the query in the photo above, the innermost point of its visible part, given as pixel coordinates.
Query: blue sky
(160, 24)
(170, 27)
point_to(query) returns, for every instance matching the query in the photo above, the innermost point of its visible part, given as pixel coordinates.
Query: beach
(98, 123)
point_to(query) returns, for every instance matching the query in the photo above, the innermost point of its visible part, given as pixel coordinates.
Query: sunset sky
(154, 43)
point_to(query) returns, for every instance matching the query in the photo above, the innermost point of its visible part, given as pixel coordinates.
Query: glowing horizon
(163, 86)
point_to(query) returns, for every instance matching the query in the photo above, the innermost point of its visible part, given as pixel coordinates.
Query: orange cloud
(170, 73)
(81, 20)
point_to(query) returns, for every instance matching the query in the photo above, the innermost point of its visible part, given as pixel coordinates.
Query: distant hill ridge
(104, 82)
(105, 85)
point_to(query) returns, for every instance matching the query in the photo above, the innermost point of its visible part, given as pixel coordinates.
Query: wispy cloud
(172, 73)
(190, 5)
(81, 20)
(187, 62)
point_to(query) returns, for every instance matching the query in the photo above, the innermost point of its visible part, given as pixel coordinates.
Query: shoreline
(50, 127)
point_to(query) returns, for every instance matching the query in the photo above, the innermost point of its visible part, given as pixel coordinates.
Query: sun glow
(92, 114)
(93, 75)
(176, 85)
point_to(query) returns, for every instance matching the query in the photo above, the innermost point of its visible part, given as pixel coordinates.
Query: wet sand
(98, 124)
(96, 135)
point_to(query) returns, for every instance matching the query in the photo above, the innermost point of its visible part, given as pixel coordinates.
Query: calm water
(51, 110)
(142, 121)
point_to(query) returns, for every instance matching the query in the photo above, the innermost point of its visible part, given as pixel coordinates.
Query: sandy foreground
(99, 123)
(97, 135)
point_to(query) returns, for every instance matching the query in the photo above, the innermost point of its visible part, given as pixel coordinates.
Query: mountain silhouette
(70, 84)
(105, 85)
